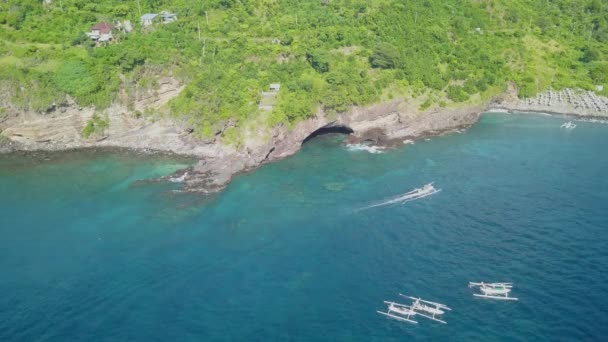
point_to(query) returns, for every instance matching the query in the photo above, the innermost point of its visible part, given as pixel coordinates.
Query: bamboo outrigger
(399, 312)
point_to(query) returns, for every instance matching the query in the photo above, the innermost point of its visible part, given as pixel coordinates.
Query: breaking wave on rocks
(178, 179)
(367, 148)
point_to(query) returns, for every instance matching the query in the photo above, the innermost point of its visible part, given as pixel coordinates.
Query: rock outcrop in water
(387, 124)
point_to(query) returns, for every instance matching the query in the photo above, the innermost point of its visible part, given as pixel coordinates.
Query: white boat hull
(495, 292)
(403, 319)
(494, 297)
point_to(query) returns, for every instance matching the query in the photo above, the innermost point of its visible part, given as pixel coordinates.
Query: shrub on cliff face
(457, 94)
(426, 104)
(527, 87)
(95, 125)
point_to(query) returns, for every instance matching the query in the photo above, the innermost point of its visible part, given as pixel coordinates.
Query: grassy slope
(432, 52)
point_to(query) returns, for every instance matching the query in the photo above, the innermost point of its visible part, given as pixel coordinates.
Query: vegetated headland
(241, 83)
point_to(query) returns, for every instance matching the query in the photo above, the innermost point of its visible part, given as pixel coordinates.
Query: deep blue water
(87, 253)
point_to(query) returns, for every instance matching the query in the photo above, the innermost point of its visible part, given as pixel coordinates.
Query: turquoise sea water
(87, 253)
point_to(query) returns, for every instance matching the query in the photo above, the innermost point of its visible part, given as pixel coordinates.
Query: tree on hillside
(75, 78)
(599, 73)
(385, 56)
(121, 11)
(319, 60)
(457, 94)
(589, 55)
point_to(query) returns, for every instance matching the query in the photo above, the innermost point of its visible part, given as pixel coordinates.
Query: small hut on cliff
(101, 32)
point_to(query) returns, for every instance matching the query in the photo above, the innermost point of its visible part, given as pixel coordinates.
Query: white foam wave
(418, 193)
(600, 121)
(568, 125)
(178, 179)
(367, 148)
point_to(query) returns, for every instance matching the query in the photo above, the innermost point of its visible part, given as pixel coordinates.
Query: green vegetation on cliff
(325, 53)
(95, 125)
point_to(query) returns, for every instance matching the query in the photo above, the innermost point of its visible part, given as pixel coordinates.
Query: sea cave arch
(329, 129)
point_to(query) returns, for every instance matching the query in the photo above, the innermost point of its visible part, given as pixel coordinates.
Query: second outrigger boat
(493, 290)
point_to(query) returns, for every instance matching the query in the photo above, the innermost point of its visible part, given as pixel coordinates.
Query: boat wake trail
(413, 195)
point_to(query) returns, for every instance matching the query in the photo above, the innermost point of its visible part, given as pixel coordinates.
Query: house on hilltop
(147, 19)
(101, 32)
(168, 17)
(165, 17)
(275, 87)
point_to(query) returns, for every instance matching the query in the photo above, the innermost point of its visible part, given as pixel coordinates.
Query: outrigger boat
(399, 312)
(493, 290)
(420, 307)
(429, 311)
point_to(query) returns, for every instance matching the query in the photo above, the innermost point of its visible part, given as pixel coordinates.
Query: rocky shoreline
(388, 124)
(569, 103)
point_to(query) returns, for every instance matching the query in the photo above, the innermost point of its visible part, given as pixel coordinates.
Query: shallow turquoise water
(88, 253)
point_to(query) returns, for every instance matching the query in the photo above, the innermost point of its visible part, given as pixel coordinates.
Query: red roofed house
(101, 32)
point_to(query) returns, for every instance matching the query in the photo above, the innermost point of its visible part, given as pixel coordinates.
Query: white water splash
(568, 125)
(368, 148)
(178, 179)
(600, 121)
(415, 194)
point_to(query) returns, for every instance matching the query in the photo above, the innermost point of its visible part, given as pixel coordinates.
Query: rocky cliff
(61, 127)
(384, 124)
(387, 124)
